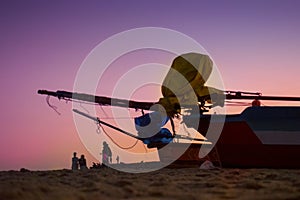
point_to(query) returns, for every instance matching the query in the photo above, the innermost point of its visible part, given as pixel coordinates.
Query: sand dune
(163, 184)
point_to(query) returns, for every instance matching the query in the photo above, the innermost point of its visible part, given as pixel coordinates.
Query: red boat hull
(248, 151)
(268, 140)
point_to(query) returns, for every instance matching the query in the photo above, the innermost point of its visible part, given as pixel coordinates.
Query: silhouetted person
(74, 162)
(118, 159)
(106, 154)
(82, 163)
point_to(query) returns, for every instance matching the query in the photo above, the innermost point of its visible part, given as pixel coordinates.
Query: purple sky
(255, 44)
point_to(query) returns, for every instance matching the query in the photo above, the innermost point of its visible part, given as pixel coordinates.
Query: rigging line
(101, 106)
(237, 102)
(106, 115)
(52, 106)
(185, 128)
(125, 148)
(145, 149)
(79, 101)
(117, 117)
(80, 104)
(173, 126)
(237, 105)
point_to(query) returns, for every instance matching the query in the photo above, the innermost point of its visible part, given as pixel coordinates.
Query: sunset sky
(255, 45)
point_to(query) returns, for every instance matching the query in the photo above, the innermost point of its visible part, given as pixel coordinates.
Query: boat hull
(263, 137)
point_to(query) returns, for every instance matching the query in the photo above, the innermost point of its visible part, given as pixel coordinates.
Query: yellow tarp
(184, 83)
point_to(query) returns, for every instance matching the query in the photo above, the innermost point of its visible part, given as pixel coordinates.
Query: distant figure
(82, 163)
(74, 162)
(118, 159)
(106, 154)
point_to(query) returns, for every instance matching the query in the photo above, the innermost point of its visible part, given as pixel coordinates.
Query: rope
(79, 101)
(86, 110)
(107, 117)
(125, 148)
(52, 106)
(103, 110)
(236, 103)
(117, 117)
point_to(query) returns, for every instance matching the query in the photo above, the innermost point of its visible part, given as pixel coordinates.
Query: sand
(188, 183)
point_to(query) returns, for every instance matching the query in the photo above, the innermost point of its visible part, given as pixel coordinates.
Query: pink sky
(255, 45)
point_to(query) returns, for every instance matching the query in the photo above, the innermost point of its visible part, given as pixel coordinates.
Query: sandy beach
(187, 183)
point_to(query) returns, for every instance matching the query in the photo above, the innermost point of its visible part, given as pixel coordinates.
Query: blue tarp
(149, 126)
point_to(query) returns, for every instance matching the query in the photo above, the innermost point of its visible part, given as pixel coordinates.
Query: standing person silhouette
(74, 162)
(118, 160)
(106, 154)
(82, 163)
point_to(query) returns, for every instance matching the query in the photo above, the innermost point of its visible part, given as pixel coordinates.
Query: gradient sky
(255, 44)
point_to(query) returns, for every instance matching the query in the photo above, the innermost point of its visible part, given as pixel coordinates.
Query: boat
(258, 137)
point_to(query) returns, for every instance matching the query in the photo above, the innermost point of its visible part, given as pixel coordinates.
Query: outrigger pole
(229, 95)
(98, 121)
(98, 99)
(257, 96)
